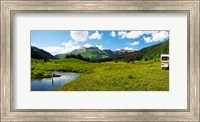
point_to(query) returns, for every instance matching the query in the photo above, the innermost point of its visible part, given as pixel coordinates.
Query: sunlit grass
(107, 76)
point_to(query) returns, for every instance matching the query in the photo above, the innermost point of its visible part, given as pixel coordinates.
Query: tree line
(78, 56)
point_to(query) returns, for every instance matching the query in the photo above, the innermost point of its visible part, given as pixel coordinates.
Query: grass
(107, 76)
(39, 68)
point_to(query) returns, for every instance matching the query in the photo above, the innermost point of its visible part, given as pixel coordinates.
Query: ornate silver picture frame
(11, 7)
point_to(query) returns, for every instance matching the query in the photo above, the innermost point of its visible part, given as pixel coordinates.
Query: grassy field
(39, 68)
(106, 76)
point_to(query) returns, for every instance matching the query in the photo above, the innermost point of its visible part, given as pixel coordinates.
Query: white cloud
(159, 36)
(70, 45)
(128, 48)
(100, 47)
(95, 35)
(54, 50)
(135, 43)
(131, 34)
(79, 36)
(117, 49)
(148, 36)
(134, 34)
(64, 48)
(147, 39)
(150, 32)
(122, 34)
(87, 45)
(112, 33)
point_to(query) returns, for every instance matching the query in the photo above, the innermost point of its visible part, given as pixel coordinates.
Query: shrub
(130, 76)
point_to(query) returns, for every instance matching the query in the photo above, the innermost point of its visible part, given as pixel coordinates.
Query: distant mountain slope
(94, 53)
(91, 53)
(40, 53)
(155, 50)
(146, 53)
(109, 52)
(61, 56)
(122, 51)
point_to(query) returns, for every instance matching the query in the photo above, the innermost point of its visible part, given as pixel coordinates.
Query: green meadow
(106, 76)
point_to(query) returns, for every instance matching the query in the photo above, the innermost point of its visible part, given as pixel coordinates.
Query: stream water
(49, 84)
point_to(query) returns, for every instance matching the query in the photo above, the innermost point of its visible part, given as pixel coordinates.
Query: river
(47, 84)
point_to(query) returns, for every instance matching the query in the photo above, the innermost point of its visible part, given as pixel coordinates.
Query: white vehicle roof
(166, 55)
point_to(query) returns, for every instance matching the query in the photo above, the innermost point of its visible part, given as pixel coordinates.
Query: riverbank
(51, 84)
(48, 76)
(39, 68)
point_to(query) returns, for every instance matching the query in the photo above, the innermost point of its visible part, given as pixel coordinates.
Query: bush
(130, 76)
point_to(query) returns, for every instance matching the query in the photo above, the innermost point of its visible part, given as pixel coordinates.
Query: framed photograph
(100, 60)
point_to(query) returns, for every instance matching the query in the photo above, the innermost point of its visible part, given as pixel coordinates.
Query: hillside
(122, 51)
(40, 53)
(148, 53)
(91, 53)
(155, 51)
(60, 56)
(94, 53)
(109, 52)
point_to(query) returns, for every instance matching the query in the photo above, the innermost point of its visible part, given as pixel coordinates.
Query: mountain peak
(123, 51)
(92, 47)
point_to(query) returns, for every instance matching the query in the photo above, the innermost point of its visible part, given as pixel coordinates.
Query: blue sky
(63, 41)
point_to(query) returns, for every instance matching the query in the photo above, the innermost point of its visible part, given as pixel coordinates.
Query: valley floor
(106, 76)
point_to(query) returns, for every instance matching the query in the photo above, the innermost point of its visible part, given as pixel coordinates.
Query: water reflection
(51, 84)
(52, 81)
